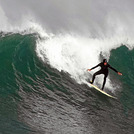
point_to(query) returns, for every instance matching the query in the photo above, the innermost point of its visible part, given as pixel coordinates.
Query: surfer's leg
(94, 75)
(105, 77)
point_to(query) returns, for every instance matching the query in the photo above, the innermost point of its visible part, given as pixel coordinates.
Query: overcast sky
(75, 15)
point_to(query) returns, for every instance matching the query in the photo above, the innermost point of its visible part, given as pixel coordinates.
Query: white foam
(26, 25)
(72, 53)
(75, 54)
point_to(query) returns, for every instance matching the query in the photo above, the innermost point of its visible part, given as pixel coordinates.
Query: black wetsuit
(103, 70)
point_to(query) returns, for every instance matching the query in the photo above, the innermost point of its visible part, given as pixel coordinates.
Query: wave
(43, 75)
(74, 54)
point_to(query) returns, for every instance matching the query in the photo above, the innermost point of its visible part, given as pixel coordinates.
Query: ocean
(40, 96)
(46, 48)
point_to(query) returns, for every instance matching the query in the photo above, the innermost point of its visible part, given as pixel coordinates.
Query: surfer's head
(105, 61)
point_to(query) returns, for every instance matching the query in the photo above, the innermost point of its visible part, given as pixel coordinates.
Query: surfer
(104, 70)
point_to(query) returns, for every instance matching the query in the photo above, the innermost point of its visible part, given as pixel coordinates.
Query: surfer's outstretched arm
(94, 67)
(115, 70)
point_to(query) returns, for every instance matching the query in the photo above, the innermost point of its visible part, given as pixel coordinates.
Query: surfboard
(103, 92)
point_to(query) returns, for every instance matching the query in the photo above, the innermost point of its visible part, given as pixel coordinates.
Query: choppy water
(38, 98)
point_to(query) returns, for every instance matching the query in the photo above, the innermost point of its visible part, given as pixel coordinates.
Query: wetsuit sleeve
(95, 66)
(113, 69)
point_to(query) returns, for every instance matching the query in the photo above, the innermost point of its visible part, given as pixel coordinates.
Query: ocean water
(45, 51)
(38, 97)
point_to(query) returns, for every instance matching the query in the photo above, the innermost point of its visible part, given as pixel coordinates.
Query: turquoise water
(9, 98)
(27, 83)
(123, 58)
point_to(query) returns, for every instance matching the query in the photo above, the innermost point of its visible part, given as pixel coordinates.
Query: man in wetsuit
(104, 70)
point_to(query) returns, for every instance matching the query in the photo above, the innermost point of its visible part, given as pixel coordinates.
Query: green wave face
(33, 94)
(123, 58)
(14, 54)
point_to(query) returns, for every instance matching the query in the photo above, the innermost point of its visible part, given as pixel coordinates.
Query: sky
(84, 16)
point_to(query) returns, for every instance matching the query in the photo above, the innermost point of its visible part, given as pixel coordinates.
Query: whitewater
(44, 64)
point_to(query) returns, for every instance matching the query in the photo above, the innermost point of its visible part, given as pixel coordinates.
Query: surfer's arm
(94, 67)
(115, 70)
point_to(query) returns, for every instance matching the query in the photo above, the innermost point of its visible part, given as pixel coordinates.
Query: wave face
(39, 96)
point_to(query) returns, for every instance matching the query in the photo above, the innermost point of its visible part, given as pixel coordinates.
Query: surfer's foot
(91, 82)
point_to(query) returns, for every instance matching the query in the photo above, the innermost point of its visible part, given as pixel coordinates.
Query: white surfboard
(103, 92)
